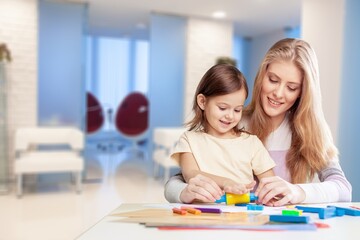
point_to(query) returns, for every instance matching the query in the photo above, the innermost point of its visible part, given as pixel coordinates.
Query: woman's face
(281, 87)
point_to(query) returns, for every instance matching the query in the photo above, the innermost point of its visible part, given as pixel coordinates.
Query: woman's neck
(276, 122)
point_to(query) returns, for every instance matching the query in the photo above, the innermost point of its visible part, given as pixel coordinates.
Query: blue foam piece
(327, 212)
(222, 199)
(291, 219)
(255, 207)
(330, 211)
(348, 211)
(309, 209)
(241, 204)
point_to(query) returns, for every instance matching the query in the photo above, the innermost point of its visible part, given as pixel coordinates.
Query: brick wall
(206, 41)
(18, 29)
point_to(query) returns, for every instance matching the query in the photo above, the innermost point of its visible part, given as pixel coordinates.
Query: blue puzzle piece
(291, 219)
(241, 204)
(348, 211)
(255, 207)
(327, 212)
(324, 212)
(309, 209)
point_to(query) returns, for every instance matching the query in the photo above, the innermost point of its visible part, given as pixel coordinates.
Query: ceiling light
(219, 14)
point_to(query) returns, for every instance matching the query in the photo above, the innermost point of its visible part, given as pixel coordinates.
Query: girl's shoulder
(244, 123)
(193, 134)
(248, 137)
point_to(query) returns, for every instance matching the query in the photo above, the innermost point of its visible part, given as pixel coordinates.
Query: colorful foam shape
(326, 212)
(255, 207)
(231, 198)
(291, 212)
(309, 209)
(209, 210)
(289, 219)
(348, 211)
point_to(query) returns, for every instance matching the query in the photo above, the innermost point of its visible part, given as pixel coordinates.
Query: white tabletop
(344, 227)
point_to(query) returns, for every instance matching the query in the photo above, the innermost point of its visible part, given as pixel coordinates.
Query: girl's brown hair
(220, 79)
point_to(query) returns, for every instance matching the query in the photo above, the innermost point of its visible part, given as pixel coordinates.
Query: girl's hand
(201, 188)
(238, 188)
(275, 191)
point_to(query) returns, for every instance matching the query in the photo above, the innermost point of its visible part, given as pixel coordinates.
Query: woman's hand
(201, 188)
(275, 191)
(238, 188)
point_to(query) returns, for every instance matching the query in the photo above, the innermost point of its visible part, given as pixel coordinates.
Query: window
(115, 67)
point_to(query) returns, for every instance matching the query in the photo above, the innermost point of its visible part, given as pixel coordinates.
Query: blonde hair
(312, 144)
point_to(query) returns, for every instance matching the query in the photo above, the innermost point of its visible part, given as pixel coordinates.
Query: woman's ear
(201, 100)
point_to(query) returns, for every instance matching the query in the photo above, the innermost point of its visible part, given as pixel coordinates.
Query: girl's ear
(201, 100)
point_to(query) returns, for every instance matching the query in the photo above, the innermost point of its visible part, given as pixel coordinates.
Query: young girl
(214, 146)
(286, 114)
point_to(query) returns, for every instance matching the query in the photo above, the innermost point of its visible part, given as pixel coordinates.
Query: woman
(286, 114)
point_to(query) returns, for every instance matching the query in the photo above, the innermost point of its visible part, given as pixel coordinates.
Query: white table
(345, 227)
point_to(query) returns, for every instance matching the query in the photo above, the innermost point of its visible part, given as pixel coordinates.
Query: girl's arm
(268, 173)
(200, 188)
(190, 170)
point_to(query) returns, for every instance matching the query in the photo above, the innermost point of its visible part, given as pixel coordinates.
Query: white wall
(259, 46)
(19, 24)
(166, 72)
(322, 26)
(166, 80)
(206, 41)
(61, 68)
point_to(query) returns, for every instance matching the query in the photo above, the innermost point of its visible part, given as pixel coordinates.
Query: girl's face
(281, 87)
(223, 112)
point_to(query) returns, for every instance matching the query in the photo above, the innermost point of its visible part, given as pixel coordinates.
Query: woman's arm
(275, 191)
(333, 186)
(173, 189)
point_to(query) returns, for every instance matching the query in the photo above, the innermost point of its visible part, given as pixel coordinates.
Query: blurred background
(64, 51)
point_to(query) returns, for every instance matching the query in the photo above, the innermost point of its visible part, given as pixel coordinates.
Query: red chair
(132, 118)
(94, 115)
(94, 122)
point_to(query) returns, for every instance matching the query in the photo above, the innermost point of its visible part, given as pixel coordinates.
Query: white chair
(48, 150)
(164, 139)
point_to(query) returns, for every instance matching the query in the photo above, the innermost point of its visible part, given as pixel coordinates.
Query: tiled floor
(52, 210)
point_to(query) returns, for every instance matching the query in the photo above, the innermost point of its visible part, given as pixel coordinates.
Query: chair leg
(78, 182)
(156, 169)
(19, 185)
(166, 174)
